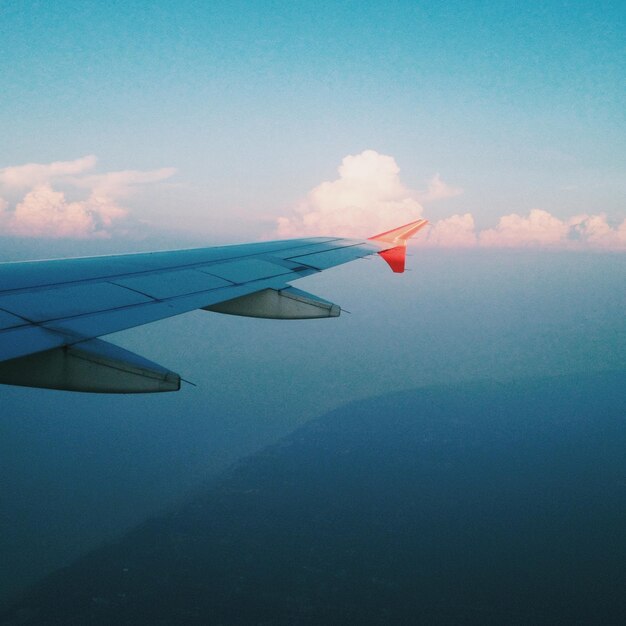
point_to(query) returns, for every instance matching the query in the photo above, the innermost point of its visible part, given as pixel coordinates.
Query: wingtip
(400, 235)
(395, 253)
(395, 258)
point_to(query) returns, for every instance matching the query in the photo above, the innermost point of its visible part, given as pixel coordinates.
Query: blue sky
(256, 103)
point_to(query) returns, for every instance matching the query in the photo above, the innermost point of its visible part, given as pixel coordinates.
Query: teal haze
(79, 468)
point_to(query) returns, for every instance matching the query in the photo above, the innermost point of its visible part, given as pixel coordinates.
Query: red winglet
(395, 255)
(395, 258)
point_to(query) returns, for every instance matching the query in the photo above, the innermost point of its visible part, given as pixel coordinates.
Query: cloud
(439, 190)
(457, 231)
(540, 228)
(33, 174)
(537, 229)
(543, 229)
(117, 184)
(596, 231)
(367, 197)
(46, 212)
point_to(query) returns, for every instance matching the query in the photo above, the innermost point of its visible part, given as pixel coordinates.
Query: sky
(139, 125)
(224, 121)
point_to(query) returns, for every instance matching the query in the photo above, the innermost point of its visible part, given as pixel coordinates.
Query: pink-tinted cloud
(439, 190)
(542, 229)
(596, 231)
(367, 197)
(456, 231)
(33, 174)
(46, 212)
(118, 184)
(539, 228)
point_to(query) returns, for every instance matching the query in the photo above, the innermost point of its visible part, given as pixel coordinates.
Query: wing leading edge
(52, 312)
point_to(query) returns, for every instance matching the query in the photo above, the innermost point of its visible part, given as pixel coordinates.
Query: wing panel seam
(169, 268)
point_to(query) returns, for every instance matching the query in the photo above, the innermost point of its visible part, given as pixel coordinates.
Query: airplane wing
(52, 312)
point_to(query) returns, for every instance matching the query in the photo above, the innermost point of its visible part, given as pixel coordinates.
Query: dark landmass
(478, 504)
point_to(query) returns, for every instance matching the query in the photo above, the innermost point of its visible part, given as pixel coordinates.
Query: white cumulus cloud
(368, 197)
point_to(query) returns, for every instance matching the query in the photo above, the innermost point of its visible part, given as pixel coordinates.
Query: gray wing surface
(52, 312)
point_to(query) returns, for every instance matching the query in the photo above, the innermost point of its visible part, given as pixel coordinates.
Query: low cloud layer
(457, 231)
(40, 206)
(369, 197)
(537, 229)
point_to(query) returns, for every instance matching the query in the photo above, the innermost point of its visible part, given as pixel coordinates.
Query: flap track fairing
(91, 366)
(279, 304)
